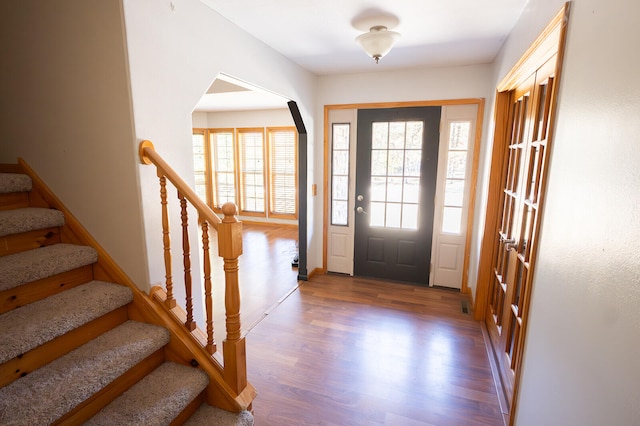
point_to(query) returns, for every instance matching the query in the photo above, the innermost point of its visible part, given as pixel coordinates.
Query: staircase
(79, 345)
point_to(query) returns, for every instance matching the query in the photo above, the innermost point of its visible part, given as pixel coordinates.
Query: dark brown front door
(397, 158)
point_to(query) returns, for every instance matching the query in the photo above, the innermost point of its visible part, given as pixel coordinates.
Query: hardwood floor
(349, 351)
(264, 271)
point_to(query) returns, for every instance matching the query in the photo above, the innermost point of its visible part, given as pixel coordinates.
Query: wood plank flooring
(349, 351)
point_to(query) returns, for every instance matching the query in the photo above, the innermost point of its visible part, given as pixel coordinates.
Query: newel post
(233, 347)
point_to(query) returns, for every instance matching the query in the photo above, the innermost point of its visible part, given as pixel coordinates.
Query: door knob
(360, 210)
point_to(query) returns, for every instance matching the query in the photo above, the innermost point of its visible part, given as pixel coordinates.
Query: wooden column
(230, 248)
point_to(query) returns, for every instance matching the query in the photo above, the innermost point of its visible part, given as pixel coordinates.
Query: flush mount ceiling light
(378, 41)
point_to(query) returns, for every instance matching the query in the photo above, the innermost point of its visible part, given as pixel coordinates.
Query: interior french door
(514, 241)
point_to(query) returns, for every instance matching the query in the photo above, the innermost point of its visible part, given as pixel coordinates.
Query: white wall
(581, 364)
(446, 83)
(66, 110)
(239, 119)
(176, 49)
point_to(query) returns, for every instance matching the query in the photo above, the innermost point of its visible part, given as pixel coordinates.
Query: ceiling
(320, 35)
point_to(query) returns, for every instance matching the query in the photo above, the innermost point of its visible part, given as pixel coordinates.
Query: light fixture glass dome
(378, 41)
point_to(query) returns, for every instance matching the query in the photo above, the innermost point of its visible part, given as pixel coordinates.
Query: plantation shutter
(282, 172)
(252, 171)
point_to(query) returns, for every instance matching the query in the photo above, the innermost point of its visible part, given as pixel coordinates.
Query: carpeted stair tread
(32, 265)
(208, 415)
(28, 219)
(14, 182)
(30, 326)
(51, 391)
(157, 399)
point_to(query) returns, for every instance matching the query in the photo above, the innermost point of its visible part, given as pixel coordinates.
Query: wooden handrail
(148, 155)
(229, 232)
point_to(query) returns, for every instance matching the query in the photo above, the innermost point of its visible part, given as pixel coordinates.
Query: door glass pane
(395, 173)
(380, 135)
(394, 189)
(392, 219)
(379, 162)
(411, 190)
(376, 214)
(395, 167)
(340, 174)
(412, 162)
(409, 216)
(378, 189)
(396, 135)
(414, 135)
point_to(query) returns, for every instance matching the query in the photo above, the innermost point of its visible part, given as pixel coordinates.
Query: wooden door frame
(549, 43)
(474, 167)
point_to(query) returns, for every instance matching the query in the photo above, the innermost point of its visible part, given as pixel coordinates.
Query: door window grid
(251, 156)
(396, 156)
(340, 140)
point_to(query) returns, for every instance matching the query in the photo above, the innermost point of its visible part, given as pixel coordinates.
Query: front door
(397, 159)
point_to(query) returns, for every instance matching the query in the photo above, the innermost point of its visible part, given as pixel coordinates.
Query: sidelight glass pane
(339, 212)
(459, 135)
(341, 136)
(454, 193)
(340, 190)
(457, 164)
(340, 174)
(340, 162)
(451, 220)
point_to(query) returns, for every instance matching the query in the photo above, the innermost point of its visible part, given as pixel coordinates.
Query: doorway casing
(474, 176)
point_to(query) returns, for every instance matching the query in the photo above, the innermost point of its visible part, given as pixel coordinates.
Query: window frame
(211, 183)
(270, 177)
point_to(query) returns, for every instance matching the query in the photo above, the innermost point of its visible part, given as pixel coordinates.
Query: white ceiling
(319, 35)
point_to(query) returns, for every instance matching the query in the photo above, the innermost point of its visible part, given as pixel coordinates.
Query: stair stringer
(183, 347)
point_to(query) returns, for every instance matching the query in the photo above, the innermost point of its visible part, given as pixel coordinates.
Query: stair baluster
(208, 296)
(166, 242)
(186, 256)
(229, 232)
